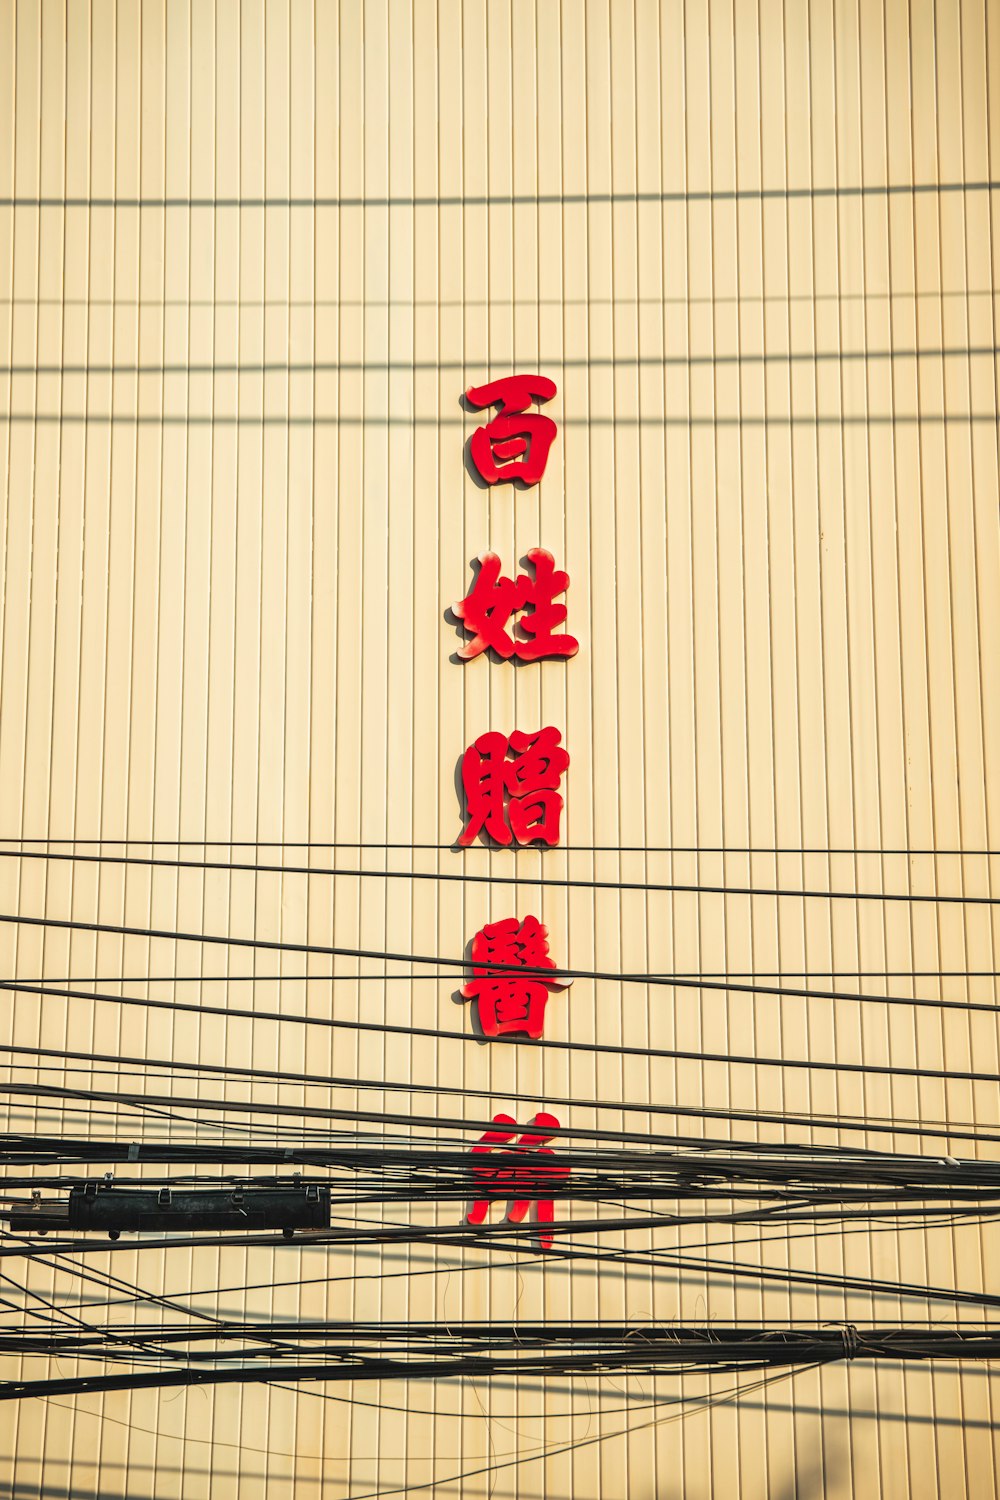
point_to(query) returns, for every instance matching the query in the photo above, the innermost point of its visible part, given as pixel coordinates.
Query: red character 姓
(508, 1001)
(515, 443)
(520, 1183)
(487, 611)
(514, 798)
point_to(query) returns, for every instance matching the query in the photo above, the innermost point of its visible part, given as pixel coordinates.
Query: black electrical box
(102, 1206)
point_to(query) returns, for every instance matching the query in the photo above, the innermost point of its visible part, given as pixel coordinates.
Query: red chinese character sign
(509, 1002)
(521, 1183)
(515, 443)
(512, 793)
(511, 787)
(487, 611)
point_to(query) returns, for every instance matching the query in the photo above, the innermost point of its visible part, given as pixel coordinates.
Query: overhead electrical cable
(398, 1234)
(440, 1122)
(308, 977)
(653, 1258)
(523, 970)
(365, 1150)
(304, 1138)
(134, 1296)
(863, 1125)
(283, 1075)
(351, 1338)
(453, 847)
(466, 878)
(394, 1028)
(404, 1176)
(521, 1237)
(687, 1406)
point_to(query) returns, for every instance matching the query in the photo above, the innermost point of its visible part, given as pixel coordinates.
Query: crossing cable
(378, 1086)
(464, 878)
(892, 1125)
(434, 1122)
(506, 1238)
(652, 1259)
(134, 1295)
(524, 971)
(106, 1281)
(168, 1101)
(308, 977)
(864, 1125)
(284, 1076)
(329, 1148)
(509, 1239)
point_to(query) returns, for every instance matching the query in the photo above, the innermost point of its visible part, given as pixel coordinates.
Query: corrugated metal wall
(250, 257)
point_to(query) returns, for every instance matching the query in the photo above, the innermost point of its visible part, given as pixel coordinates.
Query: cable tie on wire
(849, 1334)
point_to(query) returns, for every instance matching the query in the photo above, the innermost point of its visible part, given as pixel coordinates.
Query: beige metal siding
(250, 257)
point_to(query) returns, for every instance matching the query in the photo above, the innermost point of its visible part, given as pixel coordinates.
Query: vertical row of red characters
(511, 783)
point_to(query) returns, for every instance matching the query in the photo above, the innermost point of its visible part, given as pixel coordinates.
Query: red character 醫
(487, 611)
(529, 782)
(515, 443)
(520, 1183)
(508, 1001)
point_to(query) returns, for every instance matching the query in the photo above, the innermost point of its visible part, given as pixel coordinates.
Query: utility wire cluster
(792, 1180)
(389, 1160)
(386, 1350)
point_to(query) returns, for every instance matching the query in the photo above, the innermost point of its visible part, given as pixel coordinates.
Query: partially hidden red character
(515, 443)
(487, 611)
(508, 1001)
(514, 798)
(520, 1183)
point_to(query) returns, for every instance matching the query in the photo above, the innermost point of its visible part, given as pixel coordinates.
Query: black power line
(145, 1100)
(523, 970)
(676, 975)
(669, 1053)
(708, 1267)
(867, 1125)
(464, 878)
(755, 849)
(507, 1239)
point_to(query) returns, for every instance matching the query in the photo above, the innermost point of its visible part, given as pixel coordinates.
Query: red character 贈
(519, 439)
(508, 1001)
(487, 611)
(529, 782)
(521, 1184)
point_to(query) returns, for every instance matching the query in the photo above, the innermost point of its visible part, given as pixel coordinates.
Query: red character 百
(509, 1001)
(529, 782)
(515, 443)
(487, 611)
(520, 1183)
